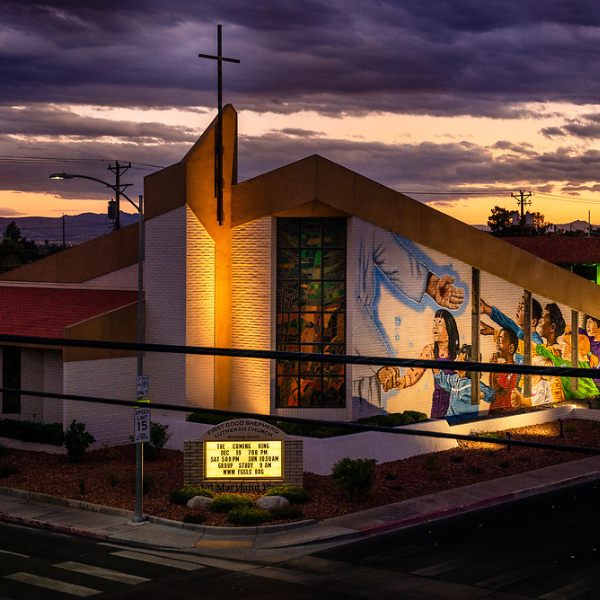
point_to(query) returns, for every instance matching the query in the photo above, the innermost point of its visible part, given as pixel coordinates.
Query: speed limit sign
(141, 424)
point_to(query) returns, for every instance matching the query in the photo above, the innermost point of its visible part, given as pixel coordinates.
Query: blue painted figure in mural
(446, 345)
(382, 258)
(459, 387)
(517, 326)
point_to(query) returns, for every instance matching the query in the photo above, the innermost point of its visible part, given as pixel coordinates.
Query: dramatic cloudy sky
(468, 100)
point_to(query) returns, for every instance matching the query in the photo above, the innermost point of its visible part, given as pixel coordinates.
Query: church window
(311, 310)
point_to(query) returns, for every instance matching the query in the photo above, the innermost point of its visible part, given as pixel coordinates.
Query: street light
(138, 516)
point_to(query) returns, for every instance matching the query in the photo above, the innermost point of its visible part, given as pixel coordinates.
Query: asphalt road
(542, 547)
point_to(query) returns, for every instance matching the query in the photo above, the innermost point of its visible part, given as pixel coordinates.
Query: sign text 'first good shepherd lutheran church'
(243, 455)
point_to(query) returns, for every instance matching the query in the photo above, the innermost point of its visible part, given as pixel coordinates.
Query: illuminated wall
(395, 312)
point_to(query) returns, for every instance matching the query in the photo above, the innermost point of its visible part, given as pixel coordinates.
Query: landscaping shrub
(77, 440)
(286, 512)
(394, 419)
(195, 518)
(115, 479)
(293, 494)
(32, 431)
(432, 462)
(248, 515)
(227, 502)
(159, 436)
(354, 476)
(7, 471)
(184, 493)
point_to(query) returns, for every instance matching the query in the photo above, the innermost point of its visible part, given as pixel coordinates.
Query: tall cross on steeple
(219, 137)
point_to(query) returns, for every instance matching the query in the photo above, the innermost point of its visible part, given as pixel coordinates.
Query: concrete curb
(128, 514)
(477, 505)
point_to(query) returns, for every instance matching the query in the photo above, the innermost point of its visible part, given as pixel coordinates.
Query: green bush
(7, 470)
(32, 431)
(394, 419)
(248, 515)
(432, 462)
(77, 440)
(293, 494)
(354, 476)
(184, 493)
(227, 502)
(195, 518)
(115, 478)
(286, 512)
(159, 437)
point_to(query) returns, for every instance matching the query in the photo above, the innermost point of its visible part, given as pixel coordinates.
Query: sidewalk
(115, 525)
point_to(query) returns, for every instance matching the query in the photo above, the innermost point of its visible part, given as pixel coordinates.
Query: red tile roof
(44, 312)
(563, 250)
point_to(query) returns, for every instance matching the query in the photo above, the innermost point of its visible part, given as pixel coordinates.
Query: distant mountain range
(77, 228)
(86, 226)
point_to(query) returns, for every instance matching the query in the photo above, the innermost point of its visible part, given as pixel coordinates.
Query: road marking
(100, 572)
(499, 581)
(53, 584)
(444, 567)
(158, 560)
(575, 589)
(14, 553)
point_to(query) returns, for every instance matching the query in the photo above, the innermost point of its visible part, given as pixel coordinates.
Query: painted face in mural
(545, 326)
(591, 328)
(565, 345)
(505, 348)
(440, 334)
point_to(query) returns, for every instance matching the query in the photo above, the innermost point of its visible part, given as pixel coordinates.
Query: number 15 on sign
(141, 425)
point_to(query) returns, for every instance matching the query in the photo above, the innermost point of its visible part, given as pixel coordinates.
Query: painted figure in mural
(541, 388)
(384, 260)
(551, 327)
(592, 332)
(459, 387)
(446, 344)
(586, 388)
(504, 383)
(517, 326)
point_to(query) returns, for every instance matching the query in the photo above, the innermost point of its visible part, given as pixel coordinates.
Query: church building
(310, 257)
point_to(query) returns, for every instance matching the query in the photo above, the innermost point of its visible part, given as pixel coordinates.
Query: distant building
(310, 257)
(580, 255)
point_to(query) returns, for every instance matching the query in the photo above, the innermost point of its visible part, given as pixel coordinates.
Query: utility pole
(522, 199)
(63, 231)
(118, 170)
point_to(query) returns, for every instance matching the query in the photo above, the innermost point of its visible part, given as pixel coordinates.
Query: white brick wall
(200, 312)
(252, 314)
(110, 378)
(53, 382)
(165, 302)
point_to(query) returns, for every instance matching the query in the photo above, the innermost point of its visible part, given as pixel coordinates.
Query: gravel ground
(107, 476)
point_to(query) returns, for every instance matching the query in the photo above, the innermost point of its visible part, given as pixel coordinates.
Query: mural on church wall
(413, 302)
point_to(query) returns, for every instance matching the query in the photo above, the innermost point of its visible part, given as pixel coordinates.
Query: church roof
(46, 311)
(561, 250)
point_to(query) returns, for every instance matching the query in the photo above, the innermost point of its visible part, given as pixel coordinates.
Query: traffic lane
(530, 546)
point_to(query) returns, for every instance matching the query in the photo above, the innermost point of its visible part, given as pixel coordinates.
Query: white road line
(53, 584)
(504, 579)
(158, 560)
(14, 553)
(104, 573)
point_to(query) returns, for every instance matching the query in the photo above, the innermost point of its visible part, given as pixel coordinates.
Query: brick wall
(252, 314)
(114, 378)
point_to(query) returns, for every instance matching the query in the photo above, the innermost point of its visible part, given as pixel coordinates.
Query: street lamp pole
(138, 516)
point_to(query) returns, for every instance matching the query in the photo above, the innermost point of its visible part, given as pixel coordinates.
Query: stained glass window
(311, 310)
